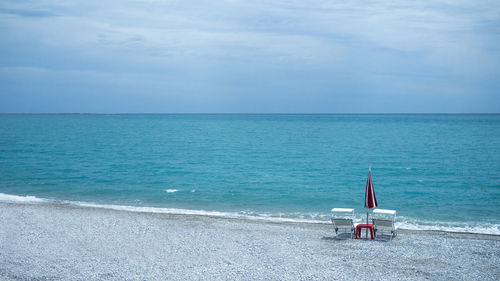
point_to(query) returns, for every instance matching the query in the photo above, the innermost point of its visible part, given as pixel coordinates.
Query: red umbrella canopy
(370, 199)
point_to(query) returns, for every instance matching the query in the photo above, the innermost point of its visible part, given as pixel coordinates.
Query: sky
(275, 56)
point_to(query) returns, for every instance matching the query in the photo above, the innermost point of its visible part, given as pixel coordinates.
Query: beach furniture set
(381, 228)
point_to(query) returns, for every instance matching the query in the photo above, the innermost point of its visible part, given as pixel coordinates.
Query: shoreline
(28, 199)
(249, 219)
(64, 242)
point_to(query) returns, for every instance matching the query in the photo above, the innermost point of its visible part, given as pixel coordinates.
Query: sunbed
(342, 222)
(383, 224)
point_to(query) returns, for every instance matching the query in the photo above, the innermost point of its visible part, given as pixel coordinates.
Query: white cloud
(300, 31)
(371, 42)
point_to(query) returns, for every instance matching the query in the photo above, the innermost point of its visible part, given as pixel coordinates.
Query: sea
(439, 172)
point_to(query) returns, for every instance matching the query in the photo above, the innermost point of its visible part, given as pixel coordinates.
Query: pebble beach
(58, 242)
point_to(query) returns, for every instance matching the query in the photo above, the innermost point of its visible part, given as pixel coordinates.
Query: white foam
(175, 211)
(482, 228)
(171, 190)
(312, 218)
(408, 223)
(21, 199)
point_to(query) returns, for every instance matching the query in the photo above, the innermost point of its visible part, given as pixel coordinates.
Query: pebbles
(48, 242)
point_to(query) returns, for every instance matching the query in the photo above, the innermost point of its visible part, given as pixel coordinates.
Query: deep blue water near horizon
(437, 171)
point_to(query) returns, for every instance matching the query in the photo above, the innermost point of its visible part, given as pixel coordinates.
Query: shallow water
(437, 171)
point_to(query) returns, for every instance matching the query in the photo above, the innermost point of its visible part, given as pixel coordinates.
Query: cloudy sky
(289, 56)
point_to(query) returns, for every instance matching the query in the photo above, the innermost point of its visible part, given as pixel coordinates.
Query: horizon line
(244, 113)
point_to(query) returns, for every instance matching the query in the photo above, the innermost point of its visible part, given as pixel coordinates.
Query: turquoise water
(437, 171)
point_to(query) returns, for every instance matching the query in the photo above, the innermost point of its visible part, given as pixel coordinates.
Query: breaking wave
(312, 218)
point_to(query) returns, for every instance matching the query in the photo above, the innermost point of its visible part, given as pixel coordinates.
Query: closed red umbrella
(370, 199)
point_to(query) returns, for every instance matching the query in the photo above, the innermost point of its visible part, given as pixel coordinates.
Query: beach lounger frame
(342, 220)
(384, 228)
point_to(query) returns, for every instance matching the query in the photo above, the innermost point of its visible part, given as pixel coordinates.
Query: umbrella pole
(366, 231)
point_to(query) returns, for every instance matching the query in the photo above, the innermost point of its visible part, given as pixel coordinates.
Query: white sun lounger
(342, 221)
(383, 224)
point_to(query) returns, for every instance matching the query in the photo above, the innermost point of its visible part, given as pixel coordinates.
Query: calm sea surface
(437, 171)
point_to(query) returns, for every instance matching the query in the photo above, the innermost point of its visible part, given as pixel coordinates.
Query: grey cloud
(29, 13)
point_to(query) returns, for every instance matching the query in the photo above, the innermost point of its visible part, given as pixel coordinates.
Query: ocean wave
(171, 190)
(463, 227)
(177, 211)
(20, 199)
(311, 218)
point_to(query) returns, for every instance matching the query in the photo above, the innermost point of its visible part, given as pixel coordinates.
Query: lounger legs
(378, 233)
